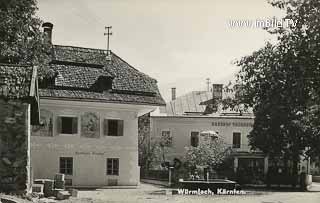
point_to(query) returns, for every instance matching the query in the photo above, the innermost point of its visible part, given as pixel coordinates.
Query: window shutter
(120, 128)
(59, 125)
(74, 125)
(105, 127)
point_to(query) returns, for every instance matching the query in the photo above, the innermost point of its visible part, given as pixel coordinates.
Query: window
(66, 165)
(112, 166)
(236, 143)
(194, 139)
(113, 127)
(166, 138)
(67, 125)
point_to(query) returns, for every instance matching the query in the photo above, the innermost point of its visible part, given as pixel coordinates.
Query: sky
(180, 43)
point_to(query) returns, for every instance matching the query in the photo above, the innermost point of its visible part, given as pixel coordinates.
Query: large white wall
(89, 154)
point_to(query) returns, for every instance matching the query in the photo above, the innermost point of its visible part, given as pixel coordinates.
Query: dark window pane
(68, 125)
(66, 165)
(113, 127)
(236, 140)
(195, 139)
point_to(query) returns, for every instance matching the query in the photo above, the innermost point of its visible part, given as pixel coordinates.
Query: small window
(194, 139)
(112, 166)
(67, 125)
(113, 127)
(236, 143)
(66, 165)
(166, 138)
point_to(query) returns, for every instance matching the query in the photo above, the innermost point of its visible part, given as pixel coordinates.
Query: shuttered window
(113, 127)
(67, 125)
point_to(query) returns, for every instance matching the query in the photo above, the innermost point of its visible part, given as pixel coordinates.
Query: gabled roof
(19, 82)
(77, 69)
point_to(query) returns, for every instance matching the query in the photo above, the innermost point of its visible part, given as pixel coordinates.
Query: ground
(150, 193)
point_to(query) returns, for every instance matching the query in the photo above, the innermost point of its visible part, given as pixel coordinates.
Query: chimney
(47, 29)
(217, 91)
(173, 93)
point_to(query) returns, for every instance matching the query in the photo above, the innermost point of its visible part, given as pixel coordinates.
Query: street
(151, 193)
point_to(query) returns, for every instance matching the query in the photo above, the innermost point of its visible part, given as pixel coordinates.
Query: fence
(154, 174)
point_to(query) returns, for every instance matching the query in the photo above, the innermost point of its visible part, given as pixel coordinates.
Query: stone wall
(143, 138)
(14, 147)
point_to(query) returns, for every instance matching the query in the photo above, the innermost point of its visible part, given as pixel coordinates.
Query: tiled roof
(77, 69)
(77, 76)
(102, 97)
(20, 82)
(127, 78)
(15, 81)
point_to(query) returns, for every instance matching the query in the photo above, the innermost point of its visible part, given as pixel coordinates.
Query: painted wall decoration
(46, 127)
(90, 125)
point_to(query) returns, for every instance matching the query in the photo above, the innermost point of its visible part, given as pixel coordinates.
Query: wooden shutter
(120, 128)
(105, 127)
(59, 125)
(74, 125)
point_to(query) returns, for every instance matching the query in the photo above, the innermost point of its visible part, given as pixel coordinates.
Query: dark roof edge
(101, 100)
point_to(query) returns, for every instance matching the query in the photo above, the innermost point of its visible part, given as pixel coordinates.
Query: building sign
(233, 124)
(90, 153)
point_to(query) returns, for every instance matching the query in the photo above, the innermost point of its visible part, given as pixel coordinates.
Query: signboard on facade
(232, 124)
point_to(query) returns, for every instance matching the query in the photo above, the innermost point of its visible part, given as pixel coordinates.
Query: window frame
(65, 169)
(120, 132)
(59, 128)
(198, 137)
(115, 170)
(234, 146)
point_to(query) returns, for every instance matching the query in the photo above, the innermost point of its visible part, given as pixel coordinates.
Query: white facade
(89, 155)
(181, 126)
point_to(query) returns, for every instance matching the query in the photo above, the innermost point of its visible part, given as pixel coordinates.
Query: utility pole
(108, 33)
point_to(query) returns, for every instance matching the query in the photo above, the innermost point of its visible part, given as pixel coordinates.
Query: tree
(281, 82)
(210, 153)
(21, 40)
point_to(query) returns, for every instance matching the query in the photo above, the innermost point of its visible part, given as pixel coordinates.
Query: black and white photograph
(159, 101)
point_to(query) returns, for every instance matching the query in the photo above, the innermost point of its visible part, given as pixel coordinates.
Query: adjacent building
(90, 104)
(19, 110)
(184, 119)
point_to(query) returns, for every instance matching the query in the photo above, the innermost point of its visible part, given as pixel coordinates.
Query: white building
(183, 120)
(89, 109)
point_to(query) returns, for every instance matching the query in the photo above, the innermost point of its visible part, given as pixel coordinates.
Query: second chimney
(173, 93)
(47, 29)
